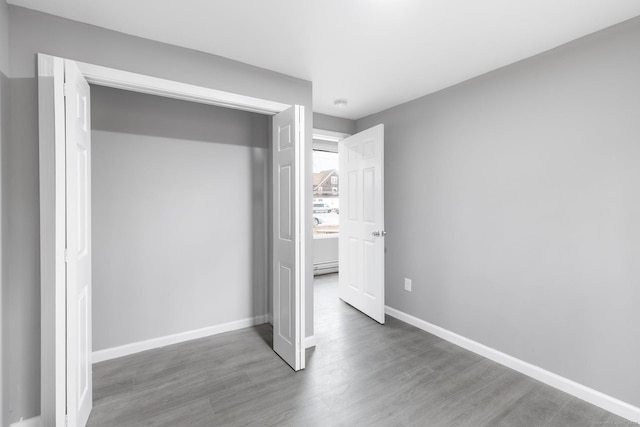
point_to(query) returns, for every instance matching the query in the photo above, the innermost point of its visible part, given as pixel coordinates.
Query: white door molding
(119, 79)
(52, 239)
(326, 140)
(329, 135)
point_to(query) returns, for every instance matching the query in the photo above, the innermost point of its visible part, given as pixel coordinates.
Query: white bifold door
(78, 252)
(65, 156)
(288, 237)
(361, 245)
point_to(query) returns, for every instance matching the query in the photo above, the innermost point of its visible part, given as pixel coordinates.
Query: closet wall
(179, 216)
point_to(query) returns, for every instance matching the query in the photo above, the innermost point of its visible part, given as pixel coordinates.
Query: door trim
(52, 197)
(52, 239)
(329, 135)
(119, 79)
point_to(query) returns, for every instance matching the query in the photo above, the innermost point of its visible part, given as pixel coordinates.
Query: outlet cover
(407, 284)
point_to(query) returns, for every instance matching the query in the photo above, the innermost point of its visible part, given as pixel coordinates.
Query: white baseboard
(310, 341)
(573, 388)
(136, 347)
(31, 422)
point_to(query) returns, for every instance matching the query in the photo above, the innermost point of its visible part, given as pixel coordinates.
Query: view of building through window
(326, 193)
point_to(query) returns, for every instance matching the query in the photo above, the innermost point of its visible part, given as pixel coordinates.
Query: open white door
(288, 236)
(78, 252)
(361, 244)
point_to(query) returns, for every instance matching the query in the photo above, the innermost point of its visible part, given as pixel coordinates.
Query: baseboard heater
(325, 268)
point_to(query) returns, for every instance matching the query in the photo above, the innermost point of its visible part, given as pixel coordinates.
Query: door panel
(285, 198)
(78, 237)
(368, 196)
(352, 193)
(369, 271)
(288, 253)
(362, 231)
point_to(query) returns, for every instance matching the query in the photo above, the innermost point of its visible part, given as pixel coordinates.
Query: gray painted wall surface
(4, 37)
(336, 124)
(4, 140)
(32, 32)
(21, 284)
(512, 202)
(179, 216)
(4, 137)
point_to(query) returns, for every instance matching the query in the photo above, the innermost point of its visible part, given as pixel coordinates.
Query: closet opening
(180, 206)
(270, 240)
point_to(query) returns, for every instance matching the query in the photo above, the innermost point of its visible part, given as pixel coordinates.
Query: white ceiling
(374, 53)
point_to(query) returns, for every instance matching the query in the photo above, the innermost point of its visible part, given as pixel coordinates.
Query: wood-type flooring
(360, 374)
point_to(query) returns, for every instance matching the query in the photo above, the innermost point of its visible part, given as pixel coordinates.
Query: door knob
(379, 233)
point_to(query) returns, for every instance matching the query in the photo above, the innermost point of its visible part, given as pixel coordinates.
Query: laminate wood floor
(360, 374)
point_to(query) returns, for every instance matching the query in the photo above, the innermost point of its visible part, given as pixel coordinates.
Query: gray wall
(512, 202)
(179, 216)
(4, 137)
(336, 124)
(32, 32)
(4, 37)
(21, 253)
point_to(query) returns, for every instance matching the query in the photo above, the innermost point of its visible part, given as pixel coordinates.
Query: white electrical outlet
(407, 284)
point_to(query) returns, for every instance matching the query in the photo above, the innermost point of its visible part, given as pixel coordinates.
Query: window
(326, 193)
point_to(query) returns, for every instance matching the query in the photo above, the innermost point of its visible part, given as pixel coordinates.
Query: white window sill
(326, 236)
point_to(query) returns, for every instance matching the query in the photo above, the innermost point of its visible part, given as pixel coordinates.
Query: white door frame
(329, 135)
(52, 198)
(325, 140)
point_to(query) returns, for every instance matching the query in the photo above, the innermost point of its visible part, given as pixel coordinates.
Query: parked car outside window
(321, 208)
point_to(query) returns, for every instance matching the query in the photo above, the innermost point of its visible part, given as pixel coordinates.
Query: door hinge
(66, 255)
(65, 89)
(66, 420)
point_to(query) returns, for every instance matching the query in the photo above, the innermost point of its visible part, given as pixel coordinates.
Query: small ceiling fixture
(340, 103)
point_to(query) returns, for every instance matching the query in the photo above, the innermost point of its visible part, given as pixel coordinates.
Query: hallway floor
(360, 374)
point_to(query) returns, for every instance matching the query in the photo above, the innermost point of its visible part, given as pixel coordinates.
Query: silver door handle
(379, 233)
